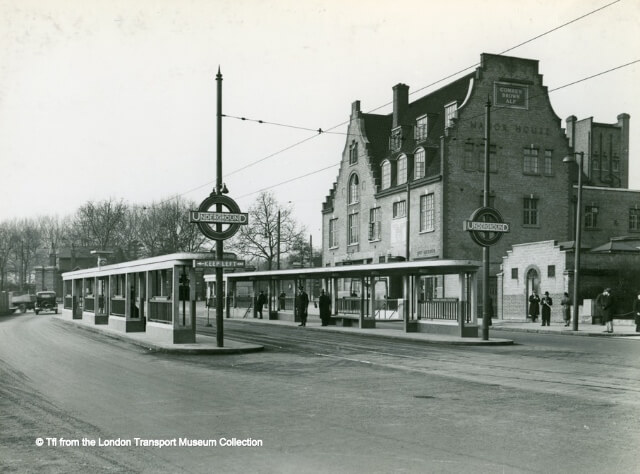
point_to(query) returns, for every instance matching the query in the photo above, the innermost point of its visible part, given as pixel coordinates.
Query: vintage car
(46, 301)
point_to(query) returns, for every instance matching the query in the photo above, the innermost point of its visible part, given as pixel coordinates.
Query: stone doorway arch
(533, 283)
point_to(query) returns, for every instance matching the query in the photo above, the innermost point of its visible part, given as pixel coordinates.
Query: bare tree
(259, 239)
(165, 228)
(52, 232)
(28, 241)
(100, 222)
(8, 241)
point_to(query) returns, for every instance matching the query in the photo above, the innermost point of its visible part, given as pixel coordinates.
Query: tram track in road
(508, 368)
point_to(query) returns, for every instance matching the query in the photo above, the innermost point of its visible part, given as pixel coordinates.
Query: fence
(446, 309)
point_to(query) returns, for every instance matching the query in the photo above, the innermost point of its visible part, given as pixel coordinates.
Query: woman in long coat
(534, 306)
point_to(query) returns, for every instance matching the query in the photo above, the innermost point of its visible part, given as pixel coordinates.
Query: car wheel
(55, 311)
(23, 308)
(36, 311)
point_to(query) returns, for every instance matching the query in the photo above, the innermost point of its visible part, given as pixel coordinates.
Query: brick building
(409, 179)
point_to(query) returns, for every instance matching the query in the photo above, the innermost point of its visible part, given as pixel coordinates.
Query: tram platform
(388, 329)
(205, 345)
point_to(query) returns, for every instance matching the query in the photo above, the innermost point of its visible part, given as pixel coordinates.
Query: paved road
(319, 402)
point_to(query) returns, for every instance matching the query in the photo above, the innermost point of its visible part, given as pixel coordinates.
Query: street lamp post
(576, 265)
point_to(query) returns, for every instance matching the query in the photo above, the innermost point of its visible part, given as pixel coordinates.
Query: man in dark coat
(262, 300)
(604, 302)
(302, 304)
(636, 312)
(324, 303)
(546, 303)
(534, 306)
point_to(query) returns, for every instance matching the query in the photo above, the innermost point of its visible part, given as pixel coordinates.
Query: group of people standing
(605, 305)
(536, 303)
(301, 304)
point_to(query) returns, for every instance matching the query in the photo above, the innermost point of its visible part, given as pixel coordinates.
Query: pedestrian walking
(324, 303)
(546, 303)
(282, 297)
(302, 304)
(260, 302)
(534, 306)
(604, 302)
(636, 312)
(566, 309)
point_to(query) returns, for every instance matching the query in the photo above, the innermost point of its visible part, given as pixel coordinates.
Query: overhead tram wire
(497, 108)
(599, 9)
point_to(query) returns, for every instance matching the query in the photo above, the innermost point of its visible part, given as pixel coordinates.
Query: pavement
(203, 345)
(384, 329)
(625, 328)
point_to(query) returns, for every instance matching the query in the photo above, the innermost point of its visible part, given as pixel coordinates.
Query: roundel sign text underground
(486, 226)
(208, 220)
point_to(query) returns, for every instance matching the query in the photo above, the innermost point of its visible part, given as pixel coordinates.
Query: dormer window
(395, 141)
(353, 153)
(421, 128)
(401, 170)
(419, 163)
(450, 114)
(386, 174)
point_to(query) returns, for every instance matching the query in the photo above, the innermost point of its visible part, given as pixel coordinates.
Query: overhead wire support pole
(485, 203)
(218, 190)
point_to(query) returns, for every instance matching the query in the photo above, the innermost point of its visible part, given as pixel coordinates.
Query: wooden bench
(349, 320)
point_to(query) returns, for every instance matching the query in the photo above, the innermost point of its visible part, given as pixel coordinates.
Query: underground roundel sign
(486, 226)
(208, 220)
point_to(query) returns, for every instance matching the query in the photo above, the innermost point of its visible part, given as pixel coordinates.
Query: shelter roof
(423, 267)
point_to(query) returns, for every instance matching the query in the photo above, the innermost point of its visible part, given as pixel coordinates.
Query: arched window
(353, 189)
(353, 153)
(386, 174)
(419, 163)
(402, 170)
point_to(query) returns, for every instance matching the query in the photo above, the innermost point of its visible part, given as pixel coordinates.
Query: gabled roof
(377, 128)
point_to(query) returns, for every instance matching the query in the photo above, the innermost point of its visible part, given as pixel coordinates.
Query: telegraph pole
(219, 250)
(485, 203)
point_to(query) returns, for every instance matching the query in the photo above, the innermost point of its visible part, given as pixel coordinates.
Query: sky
(117, 99)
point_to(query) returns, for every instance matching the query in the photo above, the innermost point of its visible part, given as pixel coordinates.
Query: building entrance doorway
(533, 284)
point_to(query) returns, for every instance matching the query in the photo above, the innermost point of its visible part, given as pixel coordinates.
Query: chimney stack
(400, 102)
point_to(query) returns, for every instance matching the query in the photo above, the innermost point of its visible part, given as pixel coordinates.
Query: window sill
(531, 226)
(429, 231)
(375, 240)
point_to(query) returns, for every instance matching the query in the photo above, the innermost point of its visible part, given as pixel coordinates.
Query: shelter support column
(296, 317)
(410, 325)
(362, 302)
(334, 296)
(463, 304)
(147, 295)
(372, 296)
(473, 283)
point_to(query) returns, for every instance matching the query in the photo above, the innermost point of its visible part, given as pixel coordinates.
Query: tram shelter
(454, 315)
(155, 295)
